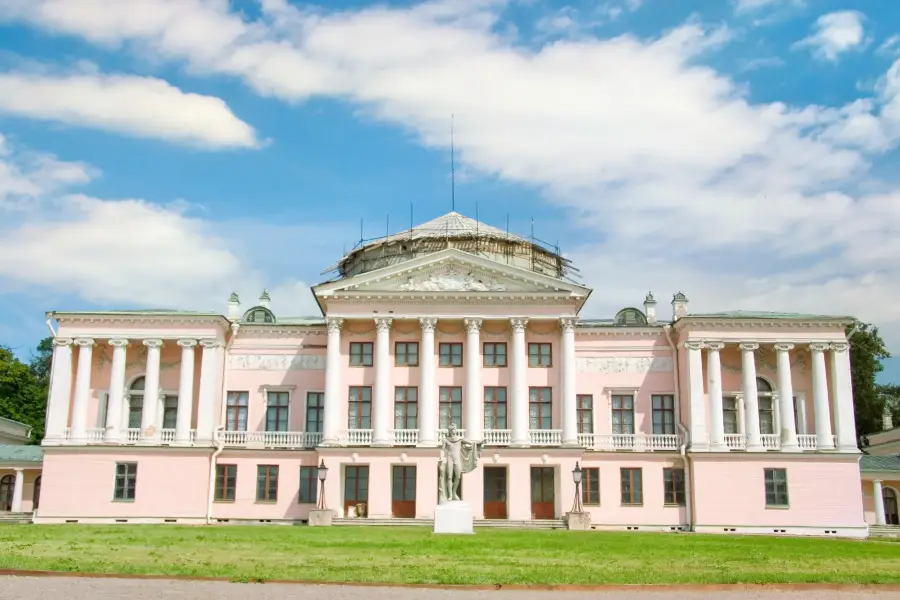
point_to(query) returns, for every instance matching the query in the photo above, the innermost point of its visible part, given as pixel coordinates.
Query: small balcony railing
(736, 441)
(270, 439)
(771, 441)
(356, 437)
(497, 437)
(545, 437)
(405, 437)
(630, 441)
(442, 434)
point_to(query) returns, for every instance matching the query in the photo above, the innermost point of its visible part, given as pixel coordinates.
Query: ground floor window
(309, 481)
(590, 487)
(776, 487)
(226, 481)
(266, 483)
(126, 481)
(632, 487)
(673, 483)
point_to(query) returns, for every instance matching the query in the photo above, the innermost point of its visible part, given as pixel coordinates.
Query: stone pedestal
(580, 521)
(320, 518)
(454, 517)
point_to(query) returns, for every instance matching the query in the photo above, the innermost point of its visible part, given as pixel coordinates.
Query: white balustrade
(545, 437)
(270, 439)
(771, 441)
(405, 437)
(356, 437)
(497, 437)
(95, 435)
(166, 436)
(132, 435)
(807, 442)
(628, 441)
(442, 434)
(736, 441)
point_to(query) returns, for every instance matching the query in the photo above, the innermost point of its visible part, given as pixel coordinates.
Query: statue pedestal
(320, 518)
(454, 517)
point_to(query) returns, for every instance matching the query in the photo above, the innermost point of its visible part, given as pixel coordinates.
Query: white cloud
(139, 106)
(754, 6)
(890, 46)
(835, 34)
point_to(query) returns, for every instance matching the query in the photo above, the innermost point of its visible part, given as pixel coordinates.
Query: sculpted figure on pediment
(450, 279)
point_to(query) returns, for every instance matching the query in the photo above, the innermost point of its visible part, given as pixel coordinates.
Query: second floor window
(539, 355)
(632, 487)
(495, 408)
(315, 411)
(730, 414)
(406, 354)
(623, 414)
(585, 413)
(170, 412)
(494, 354)
(451, 354)
(359, 414)
(450, 402)
(236, 411)
(361, 354)
(590, 487)
(406, 407)
(540, 408)
(663, 407)
(673, 483)
(277, 411)
(766, 415)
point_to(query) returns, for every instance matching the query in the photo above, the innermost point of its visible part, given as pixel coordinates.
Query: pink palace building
(737, 422)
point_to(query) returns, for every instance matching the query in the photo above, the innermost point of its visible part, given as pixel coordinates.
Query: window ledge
(125, 500)
(674, 504)
(778, 507)
(266, 502)
(223, 501)
(639, 505)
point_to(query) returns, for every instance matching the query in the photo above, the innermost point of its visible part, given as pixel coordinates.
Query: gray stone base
(578, 521)
(320, 518)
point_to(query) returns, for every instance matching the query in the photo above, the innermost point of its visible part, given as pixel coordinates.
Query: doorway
(356, 486)
(7, 485)
(495, 493)
(543, 498)
(890, 506)
(403, 492)
(37, 493)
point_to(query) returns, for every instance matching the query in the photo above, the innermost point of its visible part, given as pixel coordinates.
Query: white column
(699, 434)
(842, 398)
(519, 384)
(151, 391)
(821, 410)
(474, 401)
(786, 398)
(185, 393)
(568, 389)
(82, 390)
(876, 489)
(428, 399)
(19, 485)
(210, 391)
(381, 421)
(116, 391)
(60, 391)
(751, 397)
(714, 386)
(331, 426)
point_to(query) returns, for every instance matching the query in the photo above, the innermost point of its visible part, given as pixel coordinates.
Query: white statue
(458, 456)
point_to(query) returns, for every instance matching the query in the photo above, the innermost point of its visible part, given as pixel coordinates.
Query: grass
(415, 555)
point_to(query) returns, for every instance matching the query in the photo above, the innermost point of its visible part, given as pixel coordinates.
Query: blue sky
(164, 153)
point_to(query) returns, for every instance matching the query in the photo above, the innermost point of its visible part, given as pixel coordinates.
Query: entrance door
(403, 492)
(356, 486)
(7, 484)
(37, 493)
(543, 499)
(495, 493)
(890, 506)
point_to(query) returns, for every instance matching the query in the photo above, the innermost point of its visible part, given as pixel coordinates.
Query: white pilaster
(474, 394)
(842, 398)
(699, 434)
(116, 391)
(60, 391)
(82, 390)
(428, 400)
(822, 412)
(210, 391)
(150, 409)
(331, 426)
(185, 392)
(879, 502)
(714, 385)
(381, 421)
(567, 386)
(19, 485)
(519, 384)
(786, 398)
(751, 397)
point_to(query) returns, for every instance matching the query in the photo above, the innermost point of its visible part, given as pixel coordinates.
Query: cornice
(620, 332)
(281, 331)
(216, 321)
(706, 323)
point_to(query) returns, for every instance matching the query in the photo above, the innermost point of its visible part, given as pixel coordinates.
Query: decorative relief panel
(765, 361)
(624, 364)
(451, 277)
(276, 362)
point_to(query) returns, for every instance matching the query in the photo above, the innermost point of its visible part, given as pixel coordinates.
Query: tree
(41, 360)
(890, 394)
(22, 397)
(867, 350)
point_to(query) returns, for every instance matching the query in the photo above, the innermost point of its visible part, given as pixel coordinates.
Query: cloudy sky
(162, 153)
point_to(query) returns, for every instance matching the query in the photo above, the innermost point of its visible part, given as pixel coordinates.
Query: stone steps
(884, 530)
(10, 517)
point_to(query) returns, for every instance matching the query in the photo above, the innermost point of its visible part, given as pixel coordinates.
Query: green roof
(10, 453)
(869, 463)
(762, 314)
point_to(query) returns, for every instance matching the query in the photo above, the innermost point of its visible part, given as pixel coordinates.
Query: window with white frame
(135, 403)
(623, 414)
(730, 414)
(766, 401)
(170, 411)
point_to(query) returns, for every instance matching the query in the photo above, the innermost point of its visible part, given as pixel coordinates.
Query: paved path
(40, 588)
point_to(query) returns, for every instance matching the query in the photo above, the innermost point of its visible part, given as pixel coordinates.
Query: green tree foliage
(23, 396)
(867, 350)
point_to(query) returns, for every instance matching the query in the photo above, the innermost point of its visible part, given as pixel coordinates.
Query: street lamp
(576, 477)
(323, 473)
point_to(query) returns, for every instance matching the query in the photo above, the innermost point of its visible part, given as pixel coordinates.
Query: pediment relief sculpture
(452, 277)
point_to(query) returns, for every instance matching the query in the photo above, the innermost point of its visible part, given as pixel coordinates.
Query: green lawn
(414, 555)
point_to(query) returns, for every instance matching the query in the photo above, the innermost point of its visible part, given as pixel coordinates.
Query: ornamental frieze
(624, 364)
(276, 362)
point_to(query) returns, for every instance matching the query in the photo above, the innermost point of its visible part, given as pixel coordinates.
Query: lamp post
(576, 477)
(323, 473)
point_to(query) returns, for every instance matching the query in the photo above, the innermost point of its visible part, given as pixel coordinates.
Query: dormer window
(630, 317)
(259, 314)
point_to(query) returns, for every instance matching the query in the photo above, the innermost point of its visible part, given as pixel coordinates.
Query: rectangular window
(135, 407)
(226, 482)
(730, 414)
(585, 413)
(539, 354)
(406, 354)
(126, 481)
(766, 415)
(359, 410)
(632, 487)
(170, 412)
(102, 409)
(495, 408)
(494, 354)
(450, 402)
(315, 411)
(623, 414)
(278, 411)
(309, 485)
(590, 487)
(776, 487)
(451, 354)
(663, 414)
(236, 411)
(266, 483)
(540, 408)
(361, 354)
(406, 408)
(673, 483)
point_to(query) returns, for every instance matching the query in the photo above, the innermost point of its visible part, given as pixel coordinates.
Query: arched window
(7, 485)
(37, 494)
(135, 402)
(890, 506)
(630, 316)
(763, 386)
(259, 314)
(766, 406)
